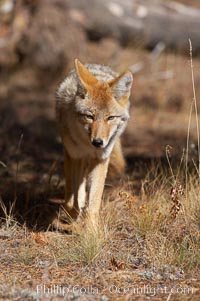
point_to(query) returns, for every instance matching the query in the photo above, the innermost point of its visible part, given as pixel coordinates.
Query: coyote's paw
(57, 225)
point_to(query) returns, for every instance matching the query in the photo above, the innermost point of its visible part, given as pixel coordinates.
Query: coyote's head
(103, 109)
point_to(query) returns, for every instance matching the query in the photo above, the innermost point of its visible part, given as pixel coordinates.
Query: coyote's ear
(86, 78)
(121, 87)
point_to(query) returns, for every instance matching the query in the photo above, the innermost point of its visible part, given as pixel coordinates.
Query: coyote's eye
(89, 117)
(111, 117)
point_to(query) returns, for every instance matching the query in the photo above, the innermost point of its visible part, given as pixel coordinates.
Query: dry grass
(87, 244)
(171, 234)
(143, 239)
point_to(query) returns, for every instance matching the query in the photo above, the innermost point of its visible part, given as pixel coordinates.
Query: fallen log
(140, 22)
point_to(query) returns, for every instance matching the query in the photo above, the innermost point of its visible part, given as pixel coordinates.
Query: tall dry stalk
(195, 107)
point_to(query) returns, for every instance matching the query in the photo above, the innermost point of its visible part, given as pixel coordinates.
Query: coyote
(92, 110)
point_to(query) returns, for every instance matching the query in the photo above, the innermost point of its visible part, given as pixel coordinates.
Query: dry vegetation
(146, 245)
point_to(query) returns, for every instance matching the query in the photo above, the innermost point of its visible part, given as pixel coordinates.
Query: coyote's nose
(97, 142)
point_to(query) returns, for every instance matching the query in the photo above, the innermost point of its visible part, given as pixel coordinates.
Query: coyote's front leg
(75, 185)
(96, 185)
